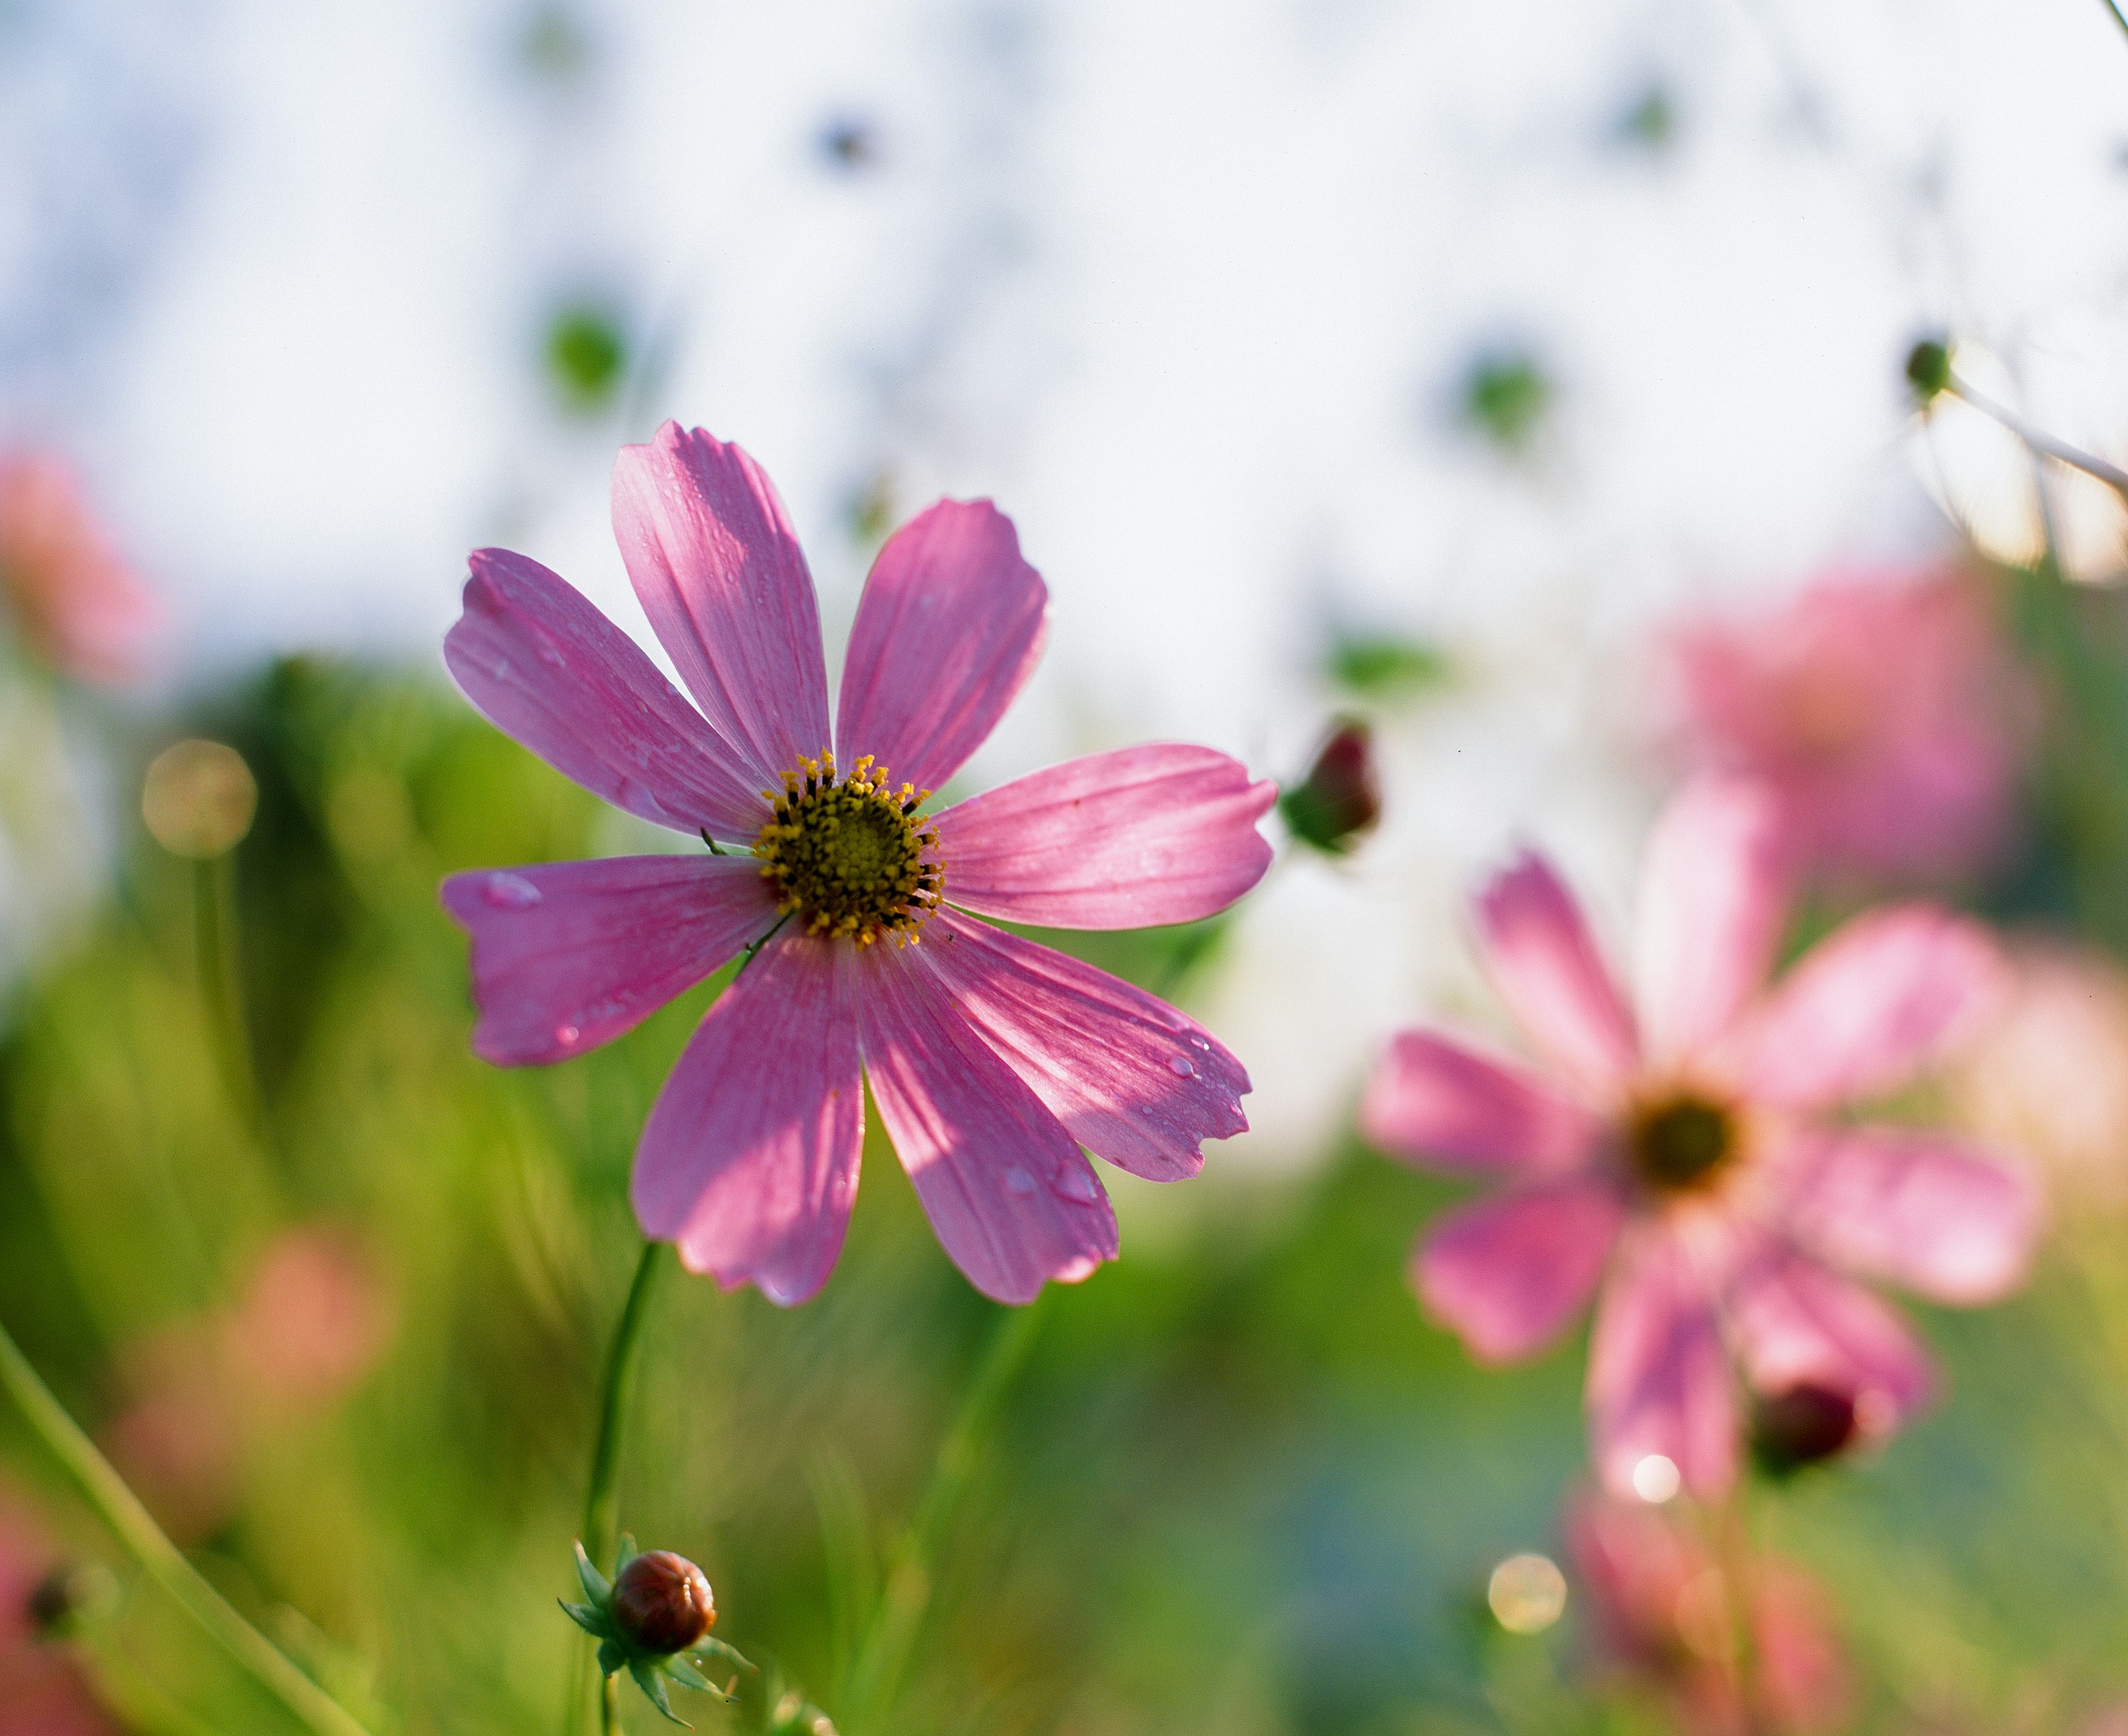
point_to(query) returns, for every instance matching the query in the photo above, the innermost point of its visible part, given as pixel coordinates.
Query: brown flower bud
(1341, 798)
(1802, 1425)
(662, 1603)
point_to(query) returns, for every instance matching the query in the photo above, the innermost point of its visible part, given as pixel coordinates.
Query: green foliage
(1506, 397)
(587, 353)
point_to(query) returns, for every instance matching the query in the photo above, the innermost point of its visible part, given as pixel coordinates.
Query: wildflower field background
(1572, 413)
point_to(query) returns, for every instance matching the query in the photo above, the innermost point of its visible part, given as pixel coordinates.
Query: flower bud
(662, 1603)
(1928, 369)
(1802, 1425)
(1339, 801)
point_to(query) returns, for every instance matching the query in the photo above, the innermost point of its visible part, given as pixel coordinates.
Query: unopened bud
(1802, 1425)
(1339, 801)
(1928, 369)
(662, 1603)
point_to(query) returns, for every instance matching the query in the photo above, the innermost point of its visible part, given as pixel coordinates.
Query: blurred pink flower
(991, 1060)
(312, 1323)
(2048, 1074)
(1689, 1152)
(1881, 710)
(42, 1690)
(73, 601)
(1745, 1651)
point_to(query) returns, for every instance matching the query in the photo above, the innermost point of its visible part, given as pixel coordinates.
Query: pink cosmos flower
(1682, 1158)
(1735, 1651)
(991, 1060)
(74, 601)
(1880, 710)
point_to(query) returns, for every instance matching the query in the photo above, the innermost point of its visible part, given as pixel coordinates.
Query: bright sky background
(1188, 289)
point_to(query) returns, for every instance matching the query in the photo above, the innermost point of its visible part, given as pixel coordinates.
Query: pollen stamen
(849, 856)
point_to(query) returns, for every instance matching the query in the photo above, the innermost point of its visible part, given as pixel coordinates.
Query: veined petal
(749, 1160)
(1949, 1222)
(714, 559)
(1132, 1079)
(1437, 1102)
(1126, 840)
(568, 955)
(1793, 1323)
(1545, 963)
(1508, 1274)
(548, 670)
(1867, 1007)
(1657, 1375)
(1713, 898)
(948, 628)
(1014, 1200)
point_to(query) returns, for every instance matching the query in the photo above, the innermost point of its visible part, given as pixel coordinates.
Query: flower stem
(2120, 17)
(2075, 457)
(214, 927)
(602, 1500)
(131, 1524)
(904, 1597)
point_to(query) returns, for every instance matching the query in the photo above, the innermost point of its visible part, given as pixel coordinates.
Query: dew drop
(1079, 1184)
(1019, 1180)
(509, 892)
(566, 1036)
(551, 655)
(1181, 1067)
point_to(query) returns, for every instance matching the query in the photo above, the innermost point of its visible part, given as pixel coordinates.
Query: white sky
(1184, 287)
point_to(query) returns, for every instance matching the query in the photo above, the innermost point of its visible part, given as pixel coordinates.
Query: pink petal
(1795, 1323)
(1713, 898)
(1658, 1376)
(719, 571)
(548, 669)
(1132, 1079)
(1919, 1209)
(750, 1158)
(1441, 1103)
(949, 627)
(1508, 1274)
(1012, 1200)
(1126, 840)
(1545, 963)
(1868, 1007)
(568, 955)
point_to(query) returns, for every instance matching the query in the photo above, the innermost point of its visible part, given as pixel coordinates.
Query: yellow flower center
(1682, 1142)
(849, 856)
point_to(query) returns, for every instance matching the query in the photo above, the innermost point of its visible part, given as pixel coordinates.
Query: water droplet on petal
(1019, 1180)
(1181, 1067)
(1079, 1184)
(552, 655)
(509, 892)
(566, 1036)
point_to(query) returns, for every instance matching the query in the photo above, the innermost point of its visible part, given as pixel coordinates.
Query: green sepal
(648, 1679)
(627, 1553)
(590, 1619)
(611, 1655)
(703, 1649)
(597, 1587)
(688, 1676)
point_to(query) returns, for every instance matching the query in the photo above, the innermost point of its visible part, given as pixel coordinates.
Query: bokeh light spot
(198, 798)
(1528, 1593)
(1656, 1479)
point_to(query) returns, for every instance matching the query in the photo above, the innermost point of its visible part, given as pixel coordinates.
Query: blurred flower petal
(1546, 967)
(1442, 1104)
(1657, 1375)
(1510, 1273)
(1795, 1324)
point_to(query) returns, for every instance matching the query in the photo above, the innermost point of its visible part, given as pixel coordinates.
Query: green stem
(2120, 17)
(602, 1500)
(214, 927)
(131, 1524)
(905, 1596)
